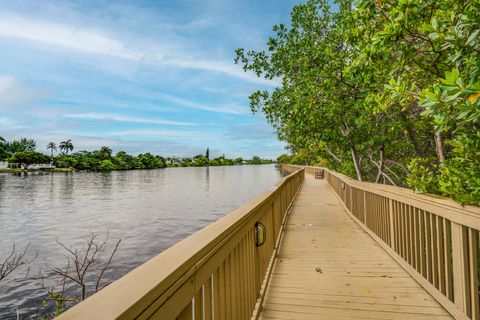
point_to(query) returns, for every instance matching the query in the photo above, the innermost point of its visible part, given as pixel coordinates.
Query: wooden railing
(435, 239)
(216, 273)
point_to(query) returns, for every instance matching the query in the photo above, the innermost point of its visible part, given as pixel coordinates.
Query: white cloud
(13, 93)
(62, 35)
(225, 108)
(216, 66)
(6, 83)
(95, 41)
(8, 123)
(192, 135)
(124, 118)
(250, 131)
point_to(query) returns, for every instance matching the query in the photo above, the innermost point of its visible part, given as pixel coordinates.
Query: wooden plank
(208, 299)
(216, 294)
(460, 267)
(416, 239)
(428, 246)
(434, 251)
(198, 304)
(440, 255)
(423, 254)
(391, 222)
(447, 242)
(473, 272)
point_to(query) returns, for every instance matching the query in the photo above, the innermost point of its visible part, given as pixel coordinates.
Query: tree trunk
(333, 155)
(381, 163)
(412, 135)
(356, 162)
(439, 147)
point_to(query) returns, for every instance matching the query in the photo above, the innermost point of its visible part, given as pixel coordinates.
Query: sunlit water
(149, 210)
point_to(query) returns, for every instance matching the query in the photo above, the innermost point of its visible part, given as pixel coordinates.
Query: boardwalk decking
(329, 268)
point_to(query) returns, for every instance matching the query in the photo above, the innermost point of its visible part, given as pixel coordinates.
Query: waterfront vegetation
(23, 152)
(384, 91)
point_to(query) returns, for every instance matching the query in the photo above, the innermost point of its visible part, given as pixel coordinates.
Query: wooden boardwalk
(329, 268)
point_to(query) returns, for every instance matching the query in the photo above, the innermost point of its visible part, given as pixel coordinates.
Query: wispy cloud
(6, 83)
(251, 131)
(63, 35)
(13, 93)
(95, 41)
(125, 118)
(192, 135)
(7, 123)
(221, 108)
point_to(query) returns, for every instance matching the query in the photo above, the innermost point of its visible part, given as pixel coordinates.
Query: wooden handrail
(435, 239)
(218, 271)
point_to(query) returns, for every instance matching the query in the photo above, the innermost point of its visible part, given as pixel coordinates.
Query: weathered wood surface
(328, 267)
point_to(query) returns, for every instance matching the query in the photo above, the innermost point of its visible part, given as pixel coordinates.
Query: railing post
(460, 266)
(392, 229)
(364, 207)
(351, 198)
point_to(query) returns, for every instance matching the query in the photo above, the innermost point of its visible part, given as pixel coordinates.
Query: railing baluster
(434, 249)
(460, 267)
(198, 305)
(208, 299)
(440, 256)
(391, 224)
(217, 298)
(447, 247)
(416, 241)
(473, 272)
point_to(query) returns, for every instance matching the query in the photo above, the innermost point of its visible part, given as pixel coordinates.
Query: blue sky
(137, 76)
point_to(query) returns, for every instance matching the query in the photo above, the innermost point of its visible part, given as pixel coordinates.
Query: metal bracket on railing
(260, 234)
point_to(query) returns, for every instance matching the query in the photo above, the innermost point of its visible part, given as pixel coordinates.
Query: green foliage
(124, 161)
(387, 91)
(106, 165)
(460, 174)
(66, 146)
(65, 161)
(52, 147)
(9, 148)
(423, 177)
(29, 157)
(284, 158)
(149, 161)
(256, 160)
(203, 161)
(103, 159)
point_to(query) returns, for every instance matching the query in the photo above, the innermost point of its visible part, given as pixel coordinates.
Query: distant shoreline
(21, 170)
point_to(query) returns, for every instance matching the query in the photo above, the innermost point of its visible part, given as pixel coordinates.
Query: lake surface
(150, 210)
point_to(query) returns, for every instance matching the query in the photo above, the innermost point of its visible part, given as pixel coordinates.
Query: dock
(311, 248)
(328, 267)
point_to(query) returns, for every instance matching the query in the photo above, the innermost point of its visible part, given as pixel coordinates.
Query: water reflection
(149, 210)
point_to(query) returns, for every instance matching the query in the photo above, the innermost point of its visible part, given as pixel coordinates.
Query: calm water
(149, 210)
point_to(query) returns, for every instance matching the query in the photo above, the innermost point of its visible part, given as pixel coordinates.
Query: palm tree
(3, 147)
(52, 146)
(66, 146)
